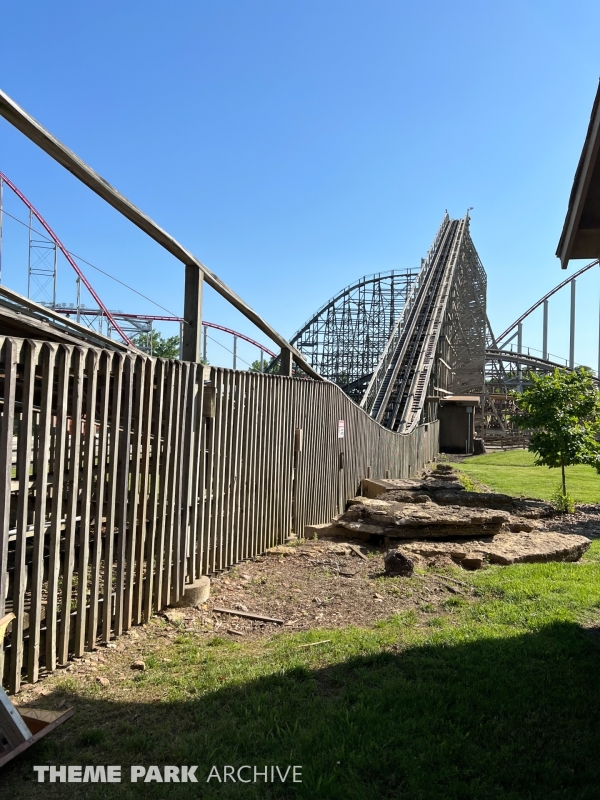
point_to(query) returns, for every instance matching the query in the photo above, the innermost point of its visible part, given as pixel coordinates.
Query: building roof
(461, 399)
(580, 236)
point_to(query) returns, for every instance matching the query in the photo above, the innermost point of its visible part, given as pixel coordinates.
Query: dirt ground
(585, 521)
(324, 583)
(311, 584)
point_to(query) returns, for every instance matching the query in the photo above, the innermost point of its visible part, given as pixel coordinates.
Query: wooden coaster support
(19, 729)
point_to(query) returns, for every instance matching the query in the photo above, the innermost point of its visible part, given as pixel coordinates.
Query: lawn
(513, 472)
(489, 697)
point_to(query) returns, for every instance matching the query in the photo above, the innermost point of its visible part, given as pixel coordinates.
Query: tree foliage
(155, 344)
(273, 368)
(563, 411)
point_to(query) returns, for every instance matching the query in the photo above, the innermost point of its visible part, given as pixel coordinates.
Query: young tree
(563, 411)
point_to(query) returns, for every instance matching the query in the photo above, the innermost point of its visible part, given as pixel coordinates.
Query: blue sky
(295, 146)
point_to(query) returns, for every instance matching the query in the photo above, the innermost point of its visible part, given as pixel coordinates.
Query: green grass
(513, 472)
(492, 699)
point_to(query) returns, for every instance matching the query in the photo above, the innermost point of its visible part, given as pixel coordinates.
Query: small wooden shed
(457, 423)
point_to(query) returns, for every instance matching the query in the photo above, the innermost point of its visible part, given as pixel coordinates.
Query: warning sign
(341, 429)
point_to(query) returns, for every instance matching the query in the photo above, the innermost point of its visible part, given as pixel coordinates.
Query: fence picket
(127, 450)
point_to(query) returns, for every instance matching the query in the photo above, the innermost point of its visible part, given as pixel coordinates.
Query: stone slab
(506, 548)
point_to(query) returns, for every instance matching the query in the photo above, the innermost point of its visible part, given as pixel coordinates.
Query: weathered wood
(122, 497)
(24, 455)
(286, 362)
(6, 449)
(142, 524)
(111, 509)
(41, 488)
(133, 501)
(161, 555)
(199, 492)
(181, 476)
(172, 483)
(63, 358)
(34, 131)
(191, 345)
(77, 363)
(96, 554)
(205, 555)
(248, 615)
(154, 479)
(189, 471)
(180, 492)
(88, 450)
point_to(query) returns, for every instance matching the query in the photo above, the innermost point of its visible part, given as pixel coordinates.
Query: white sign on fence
(340, 429)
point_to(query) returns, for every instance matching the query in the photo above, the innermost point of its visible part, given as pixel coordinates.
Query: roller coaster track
(524, 359)
(397, 392)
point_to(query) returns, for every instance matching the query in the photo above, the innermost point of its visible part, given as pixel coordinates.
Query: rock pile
(426, 520)
(435, 516)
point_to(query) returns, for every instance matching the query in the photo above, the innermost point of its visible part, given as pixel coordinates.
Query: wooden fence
(124, 477)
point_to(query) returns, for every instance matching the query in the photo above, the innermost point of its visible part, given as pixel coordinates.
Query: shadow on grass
(503, 718)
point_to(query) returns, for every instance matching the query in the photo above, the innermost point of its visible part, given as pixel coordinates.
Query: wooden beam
(21, 120)
(192, 313)
(286, 362)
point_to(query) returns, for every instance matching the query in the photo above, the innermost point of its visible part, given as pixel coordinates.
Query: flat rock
(506, 548)
(367, 517)
(324, 529)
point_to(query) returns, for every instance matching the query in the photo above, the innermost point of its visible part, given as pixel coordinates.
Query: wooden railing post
(286, 362)
(192, 312)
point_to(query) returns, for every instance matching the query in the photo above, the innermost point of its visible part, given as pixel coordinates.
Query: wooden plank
(196, 499)
(6, 450)
(139, 375)
(172, 484)
(88, 451)
(144, 570)
(224, 459)
(248, 427)
(240, 432)
(104, 371)
(230, 472)
(111, 497)
(276, 464)
(24, 455)
(122, 497)
(258, 539)
(34, 131)
(216, 455)
(12, 725)
(63, 361)
(62, 717)
(247, 614)
(188, 475)
(181, 475)
(211, 441)
(198, 494)
(288, 438)
(78, 357)
(154, 491)
(166, 427)
(39, 520)
(271, 421)
(191, 346)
